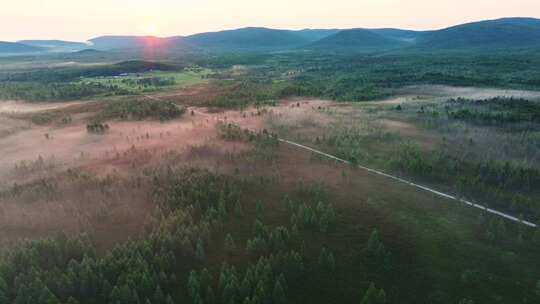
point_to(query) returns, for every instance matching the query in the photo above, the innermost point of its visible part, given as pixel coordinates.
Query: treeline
(496, 111)
(138, 108)
(57, 91)
(150, 81)
(66, 74)
(61, 83)
(358, 77)
(507, 186)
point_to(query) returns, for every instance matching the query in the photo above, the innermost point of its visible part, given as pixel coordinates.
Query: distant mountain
(89, 52)
(56, 45)
(17, 48)
(399, 34)
(250, 38)
(313, 35)
(506, 33)
(361, 39)
(500, 34)
(136, 42)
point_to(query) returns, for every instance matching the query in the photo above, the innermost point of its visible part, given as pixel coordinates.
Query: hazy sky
(84, 19)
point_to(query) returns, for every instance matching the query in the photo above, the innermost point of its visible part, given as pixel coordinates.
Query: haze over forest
(278, 152)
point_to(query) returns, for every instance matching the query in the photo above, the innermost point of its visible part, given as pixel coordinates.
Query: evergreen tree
(194, 286)
(71, 300)
(199, 251)
(222, 208)
(159, 297)
(115, 296)
(278, 295)
(326, 260)
(376, 253)
(374, 296)
(210, 296)
(238, 209)
(230, 246)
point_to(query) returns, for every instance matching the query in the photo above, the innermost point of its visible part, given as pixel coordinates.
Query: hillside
(135, 42)
(507, 33)
(15, 48)
(56, 45)
(249, 38)
(357, 39)
(399, 34)
(313, 35)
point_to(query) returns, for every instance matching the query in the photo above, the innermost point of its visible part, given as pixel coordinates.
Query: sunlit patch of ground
(50, 156)
(33, 153)
(19, 107)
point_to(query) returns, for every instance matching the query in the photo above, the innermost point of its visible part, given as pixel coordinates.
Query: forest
(174, 180)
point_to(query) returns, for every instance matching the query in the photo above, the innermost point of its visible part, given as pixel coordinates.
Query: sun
(150, 29)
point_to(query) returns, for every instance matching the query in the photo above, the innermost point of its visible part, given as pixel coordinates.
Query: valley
(263, 166)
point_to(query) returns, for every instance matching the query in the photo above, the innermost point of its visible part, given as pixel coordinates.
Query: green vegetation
(191, 204)
(71, 83)
(138, 109)
(265, 222)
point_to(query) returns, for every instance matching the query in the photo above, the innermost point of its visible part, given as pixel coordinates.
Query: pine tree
(169, 300)
(115, 296)
(238, 209)
(230, 246)
(222, 208)
(71, 300)
(210, 297)
(259, 208)
(376, 253)
(194, 286)
(374, 296)
(199, 252)
(326, 260)
(159, 297)
(278, 295)
(281, 279)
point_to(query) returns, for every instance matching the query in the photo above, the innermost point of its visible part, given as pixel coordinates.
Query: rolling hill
(506, 33)
(17, 48)
(399, 34)
(56, 45)
(136, 42)
(250, 38)
(313, 35)
(361, 39)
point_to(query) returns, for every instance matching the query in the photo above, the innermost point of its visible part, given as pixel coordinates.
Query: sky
(81, 20)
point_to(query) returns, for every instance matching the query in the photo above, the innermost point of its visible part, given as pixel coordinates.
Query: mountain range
(500, 34)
